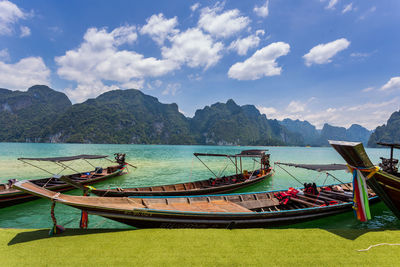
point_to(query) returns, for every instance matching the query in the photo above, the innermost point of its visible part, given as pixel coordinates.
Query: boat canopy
(317, 167)
(69, 158)
(258, 153)
(394, 145)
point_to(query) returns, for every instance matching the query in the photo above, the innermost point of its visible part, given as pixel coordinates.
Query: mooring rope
(382, 244)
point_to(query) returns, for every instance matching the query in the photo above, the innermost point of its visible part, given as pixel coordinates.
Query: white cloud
(270, 112)
(85, 91)
(223, 24)
(347, 8)
(296, 107)
(195, 77)
(242, 45)
(261, 63)
(23, 74)
(392, 84)
(369, 114)
(360, 55)
(25, 31)
(98, 60)
(159, 28)
(368, 12)
(171, 89)
(194, 48)
(4, 55)
(154, 84)
(322, 53)
(332, 4)
(262, 11)
(9, 14)
(368, 89)
(195, 6)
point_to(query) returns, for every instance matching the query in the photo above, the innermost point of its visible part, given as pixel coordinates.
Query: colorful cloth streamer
(83, 224)
(56, 229)
(360, 192)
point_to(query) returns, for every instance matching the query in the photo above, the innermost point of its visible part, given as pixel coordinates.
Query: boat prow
(384, 184)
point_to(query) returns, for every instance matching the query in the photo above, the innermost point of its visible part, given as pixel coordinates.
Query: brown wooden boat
(10, 196)
(244, 210)
(241, 179)
(385, 182)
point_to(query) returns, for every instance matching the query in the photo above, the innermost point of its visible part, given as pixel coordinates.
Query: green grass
(209, 247)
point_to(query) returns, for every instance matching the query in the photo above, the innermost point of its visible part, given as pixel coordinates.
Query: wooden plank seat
(182, 204)
(260, 203)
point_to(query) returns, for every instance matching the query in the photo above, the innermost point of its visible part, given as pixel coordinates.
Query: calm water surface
(164, 164)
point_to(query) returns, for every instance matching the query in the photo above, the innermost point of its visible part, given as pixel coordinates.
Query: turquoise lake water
(164, 164)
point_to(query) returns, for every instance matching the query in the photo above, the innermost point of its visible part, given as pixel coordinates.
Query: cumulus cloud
(322, 53)
(242, 45)
(367, 13)
(222, 24)
(23, 74)
(98, 59)
(4, 55)
(25, 31)
(392, 84)
(171, 89)
(332, 4)
(296, 106)
(261, 63)
(193, 48)
(10, 14)
(159, 28)
(368, 89)
(262, 11)
(369, 114)
(195, 6)
(347, 8)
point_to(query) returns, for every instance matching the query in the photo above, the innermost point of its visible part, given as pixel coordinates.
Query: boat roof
(317, 167)
(394, 145)
(244, 153)
(68, 158)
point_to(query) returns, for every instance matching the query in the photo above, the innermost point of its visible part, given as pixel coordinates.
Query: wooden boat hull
(176, 192)
(17, 197)
(149, 219)
(385, 185)
(246, 210)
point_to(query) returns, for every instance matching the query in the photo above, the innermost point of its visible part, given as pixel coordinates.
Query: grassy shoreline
(181, 247)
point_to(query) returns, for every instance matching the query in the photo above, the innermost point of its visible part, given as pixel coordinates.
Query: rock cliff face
(26, 116)
(230, 124)
(42, 114)
(387, 133)
(123, 116)
(313, 137)
(307, 131)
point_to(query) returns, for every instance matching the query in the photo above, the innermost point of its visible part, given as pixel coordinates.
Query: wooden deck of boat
(235, 203)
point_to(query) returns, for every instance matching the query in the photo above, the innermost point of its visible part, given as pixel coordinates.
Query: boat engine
(389, 165)
(120, 158)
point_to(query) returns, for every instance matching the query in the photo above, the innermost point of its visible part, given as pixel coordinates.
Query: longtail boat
(240, 210)
(217, 184)
(384, 181)
(10, 196)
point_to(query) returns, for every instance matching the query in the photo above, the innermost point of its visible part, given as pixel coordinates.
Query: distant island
(42, 114)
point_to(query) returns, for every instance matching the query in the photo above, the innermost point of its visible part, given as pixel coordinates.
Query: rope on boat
(382, 244)
(56, 229)
(289, 173)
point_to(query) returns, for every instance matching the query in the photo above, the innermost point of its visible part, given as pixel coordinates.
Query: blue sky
(334, 61)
